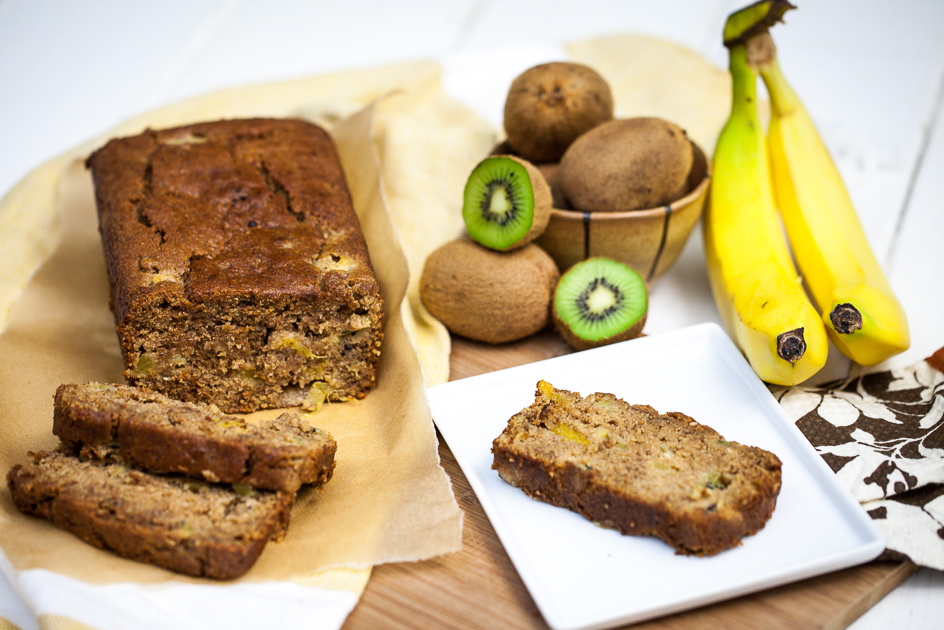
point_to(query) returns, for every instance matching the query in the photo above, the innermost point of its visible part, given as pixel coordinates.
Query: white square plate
(582, 576)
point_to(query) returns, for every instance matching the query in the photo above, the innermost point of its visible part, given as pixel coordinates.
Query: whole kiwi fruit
(549, 171)
(626, 164)
(506, 202)
(549, 105)
(486, 295)
(599, 301)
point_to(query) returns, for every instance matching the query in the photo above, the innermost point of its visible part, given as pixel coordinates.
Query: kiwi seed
(486, 295)
(627, 164)
(506, 203)
(549, 105)
(600, 301)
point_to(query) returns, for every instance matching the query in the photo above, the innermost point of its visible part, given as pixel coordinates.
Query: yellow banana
(753, 279)
(862, 315)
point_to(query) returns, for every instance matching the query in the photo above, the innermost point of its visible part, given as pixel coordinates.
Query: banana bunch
(756, 287)
(862, 315)
(754, 281)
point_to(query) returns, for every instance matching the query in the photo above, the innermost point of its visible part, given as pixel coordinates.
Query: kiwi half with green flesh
(600, 301)
(506, 203)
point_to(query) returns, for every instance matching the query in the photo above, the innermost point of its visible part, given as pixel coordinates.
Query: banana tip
(845, 318)
(791, 345)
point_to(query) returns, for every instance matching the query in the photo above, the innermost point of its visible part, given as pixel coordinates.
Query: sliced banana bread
(188, 526)
(148, 430)
(239, 271)
(633, 469)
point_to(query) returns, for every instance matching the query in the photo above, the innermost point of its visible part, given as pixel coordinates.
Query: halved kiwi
(600, 301)
(506, 203)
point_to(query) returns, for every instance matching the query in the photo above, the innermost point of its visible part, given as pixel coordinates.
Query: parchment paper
(389, 498)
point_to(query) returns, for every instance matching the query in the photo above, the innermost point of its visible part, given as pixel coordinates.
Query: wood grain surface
(478, 587)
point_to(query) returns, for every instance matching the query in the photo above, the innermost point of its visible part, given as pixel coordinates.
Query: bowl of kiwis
(629, 189)
(570, 220)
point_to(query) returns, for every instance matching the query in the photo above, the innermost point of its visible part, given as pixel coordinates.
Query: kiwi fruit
(549, 171)
(486, 295)
(626, 164)
(506, 203)
(549, 105)
(600, 301)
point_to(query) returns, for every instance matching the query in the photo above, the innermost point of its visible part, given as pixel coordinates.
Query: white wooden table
(871, 72)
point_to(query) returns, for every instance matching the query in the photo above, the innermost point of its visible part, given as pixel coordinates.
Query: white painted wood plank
(917, 604)
(502, 23)
(255, 42)
(70, 70)
(916, 268)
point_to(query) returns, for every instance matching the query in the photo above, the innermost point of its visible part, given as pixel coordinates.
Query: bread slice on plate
(150, 431)
(630, 468)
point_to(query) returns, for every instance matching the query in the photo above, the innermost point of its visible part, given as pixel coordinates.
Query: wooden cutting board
(477, 587)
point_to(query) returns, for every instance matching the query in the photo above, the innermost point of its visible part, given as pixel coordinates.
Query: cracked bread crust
(239, 273)
(147, 430)
(643, 473)
(190, 527)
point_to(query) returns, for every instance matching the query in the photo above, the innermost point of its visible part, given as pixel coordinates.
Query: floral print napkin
(883, 435)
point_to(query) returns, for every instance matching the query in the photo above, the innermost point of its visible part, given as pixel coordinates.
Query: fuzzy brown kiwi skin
(578, 343)
(549, 105)
(547, 169)
(626, 164)
(550, 170)
(543, 201)
(489, 296)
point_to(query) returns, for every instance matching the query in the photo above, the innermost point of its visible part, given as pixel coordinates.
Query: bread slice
(643, 473)
(151, 431)
(188, 526)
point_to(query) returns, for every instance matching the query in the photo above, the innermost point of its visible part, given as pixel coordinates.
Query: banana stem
(743, 85)
(752, 19)
(762, 56)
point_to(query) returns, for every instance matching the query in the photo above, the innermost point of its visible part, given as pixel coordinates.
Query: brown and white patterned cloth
(883, 435)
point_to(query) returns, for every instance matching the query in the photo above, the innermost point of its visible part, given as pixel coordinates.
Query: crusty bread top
(228, 206)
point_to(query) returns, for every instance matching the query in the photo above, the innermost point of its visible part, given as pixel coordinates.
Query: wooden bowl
(648, 240)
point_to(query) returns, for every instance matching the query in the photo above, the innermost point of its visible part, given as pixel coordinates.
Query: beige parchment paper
(389, 499)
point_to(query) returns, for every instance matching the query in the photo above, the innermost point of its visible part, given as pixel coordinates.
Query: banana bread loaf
(643, 473)
(239, 272)
(188, 526)
(150, 431)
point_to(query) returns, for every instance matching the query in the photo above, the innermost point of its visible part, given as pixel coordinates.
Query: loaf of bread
(633, 469)
(239, 272)
(147, 430)
(188, 526)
